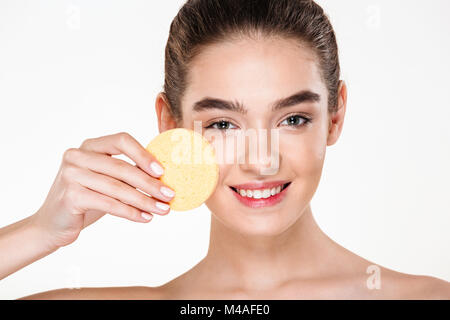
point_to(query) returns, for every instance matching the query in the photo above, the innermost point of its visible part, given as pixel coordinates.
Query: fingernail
(146, 216)
(167, 192)
(162, 206)
(156, 168)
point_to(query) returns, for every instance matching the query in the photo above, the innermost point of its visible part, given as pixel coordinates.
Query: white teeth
(266, 193)
(258, 194)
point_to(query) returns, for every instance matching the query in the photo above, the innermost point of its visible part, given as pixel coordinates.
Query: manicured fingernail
(167, 192)
(146, 216)
(162, 206)
(156, 168)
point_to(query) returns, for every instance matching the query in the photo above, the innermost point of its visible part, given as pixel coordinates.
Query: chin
(268, 226)
(264, 222)
(262, 230)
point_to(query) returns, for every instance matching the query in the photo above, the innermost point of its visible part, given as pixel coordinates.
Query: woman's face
(256, 74)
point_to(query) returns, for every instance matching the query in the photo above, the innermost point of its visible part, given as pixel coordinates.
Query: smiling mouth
(284, 186)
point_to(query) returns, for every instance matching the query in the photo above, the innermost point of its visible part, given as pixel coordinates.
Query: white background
(71, 70)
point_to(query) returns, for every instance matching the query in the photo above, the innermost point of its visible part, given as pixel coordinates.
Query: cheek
(308, 155)
(219, 198)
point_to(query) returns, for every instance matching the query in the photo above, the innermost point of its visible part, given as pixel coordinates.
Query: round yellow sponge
(190, 166)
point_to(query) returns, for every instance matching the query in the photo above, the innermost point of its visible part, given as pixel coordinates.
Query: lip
(262, 202)
(260, 185)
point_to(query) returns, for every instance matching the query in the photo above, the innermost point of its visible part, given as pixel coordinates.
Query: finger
(92, 200)
(123, 171)
(124, 143)
(119, 190)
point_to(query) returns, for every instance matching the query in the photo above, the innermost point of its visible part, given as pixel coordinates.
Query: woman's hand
(91, 183)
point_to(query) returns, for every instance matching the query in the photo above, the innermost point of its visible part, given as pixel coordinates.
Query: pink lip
(259, 203)
(260, 185)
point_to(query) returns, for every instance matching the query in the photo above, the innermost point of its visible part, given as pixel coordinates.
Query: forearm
(21, 244)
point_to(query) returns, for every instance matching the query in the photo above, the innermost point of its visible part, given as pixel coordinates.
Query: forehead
(252, 71)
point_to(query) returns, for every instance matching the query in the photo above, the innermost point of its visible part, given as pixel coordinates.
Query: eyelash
(297, 116)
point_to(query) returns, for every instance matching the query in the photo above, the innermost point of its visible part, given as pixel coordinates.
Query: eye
(296, 121)
(221, 125)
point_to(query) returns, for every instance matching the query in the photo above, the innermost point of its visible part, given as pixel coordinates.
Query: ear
(336, 119)
(165, 119)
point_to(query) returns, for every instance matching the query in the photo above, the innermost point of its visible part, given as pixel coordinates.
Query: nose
(258, 152)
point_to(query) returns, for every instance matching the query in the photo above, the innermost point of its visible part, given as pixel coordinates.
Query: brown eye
(296, 121)
(221, 125)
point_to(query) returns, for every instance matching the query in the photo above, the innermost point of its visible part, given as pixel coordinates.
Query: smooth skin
(275, 252)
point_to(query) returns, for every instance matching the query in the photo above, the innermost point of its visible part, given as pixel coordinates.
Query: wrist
(21, 244)
(40, 234)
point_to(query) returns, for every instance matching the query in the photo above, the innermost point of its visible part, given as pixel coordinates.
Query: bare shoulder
(100, 293)
(398, 285)
(422, 287)
(369, 280)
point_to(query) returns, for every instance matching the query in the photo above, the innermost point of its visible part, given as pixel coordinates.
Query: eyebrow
(214, 103)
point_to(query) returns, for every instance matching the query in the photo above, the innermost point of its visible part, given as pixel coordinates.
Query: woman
(234, 66)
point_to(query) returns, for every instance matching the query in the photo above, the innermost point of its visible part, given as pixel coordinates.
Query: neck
(264, 262)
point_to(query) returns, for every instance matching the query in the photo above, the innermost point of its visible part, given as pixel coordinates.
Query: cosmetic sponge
(190, 166)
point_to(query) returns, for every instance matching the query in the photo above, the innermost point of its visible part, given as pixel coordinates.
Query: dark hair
(200, 23)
